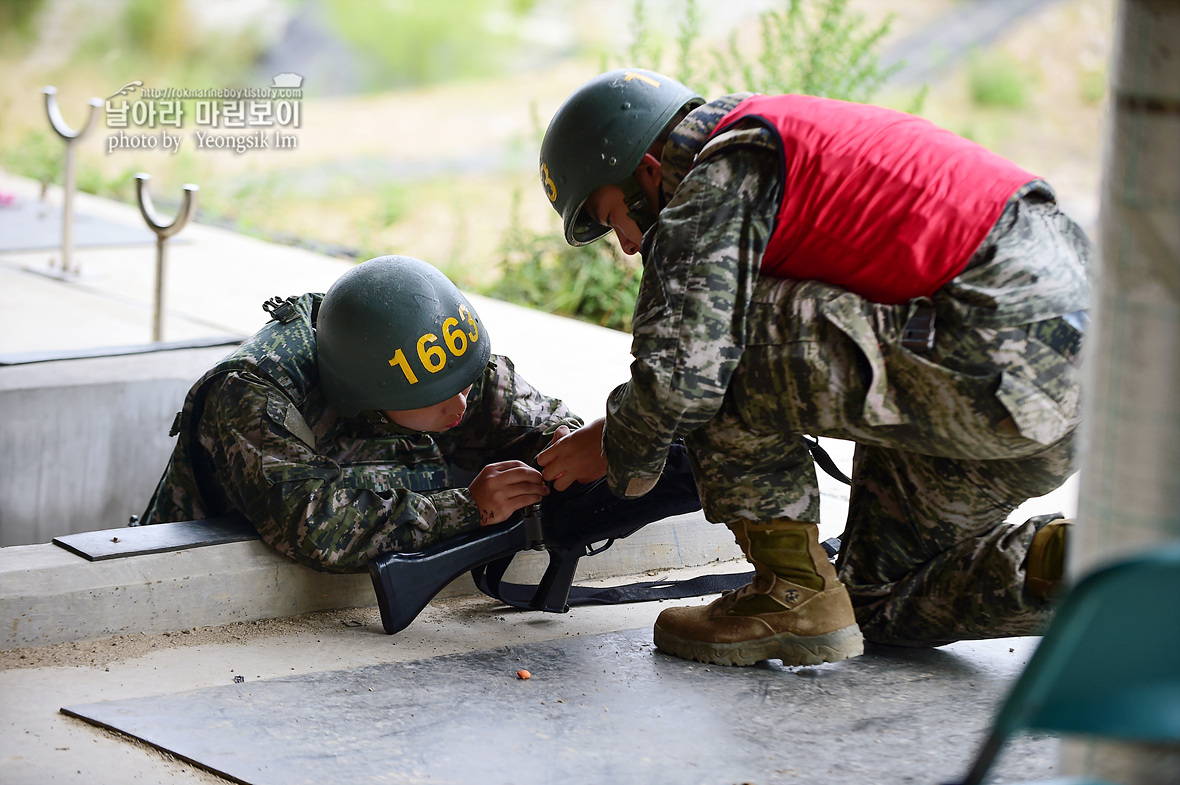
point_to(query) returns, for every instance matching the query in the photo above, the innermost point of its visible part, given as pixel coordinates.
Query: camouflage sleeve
(306, 506)
(700, 267)
(508, 420)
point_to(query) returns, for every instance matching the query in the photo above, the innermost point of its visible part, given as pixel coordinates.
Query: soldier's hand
(561, 432)
(501, 489)
(575, 457)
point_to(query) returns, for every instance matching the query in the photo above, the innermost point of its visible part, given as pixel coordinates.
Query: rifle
(566, 523)
(569, 524)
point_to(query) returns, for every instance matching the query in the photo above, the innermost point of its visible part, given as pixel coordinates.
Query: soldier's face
(433, 419)
(609, 206)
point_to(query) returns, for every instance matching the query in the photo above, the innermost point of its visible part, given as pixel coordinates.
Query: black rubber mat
(156, 538)
(30, 225)
(598, 709)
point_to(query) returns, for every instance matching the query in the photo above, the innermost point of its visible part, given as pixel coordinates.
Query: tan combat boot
(795, 610)
(1044, 568)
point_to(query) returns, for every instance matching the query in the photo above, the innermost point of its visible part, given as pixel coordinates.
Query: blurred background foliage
(414, 44)
(422, 121)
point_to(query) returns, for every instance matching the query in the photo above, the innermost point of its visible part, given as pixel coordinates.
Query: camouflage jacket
(256, 436)
(701, 269)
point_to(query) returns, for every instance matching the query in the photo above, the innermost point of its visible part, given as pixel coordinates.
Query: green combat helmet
(599, 136)
(394, 333)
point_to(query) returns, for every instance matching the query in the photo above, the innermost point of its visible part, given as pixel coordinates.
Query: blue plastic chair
(1108, 665)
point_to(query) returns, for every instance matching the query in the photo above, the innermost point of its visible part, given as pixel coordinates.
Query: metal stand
(163, 232)
(71, 138)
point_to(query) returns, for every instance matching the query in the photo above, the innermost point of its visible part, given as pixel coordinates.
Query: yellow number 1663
(430, 354)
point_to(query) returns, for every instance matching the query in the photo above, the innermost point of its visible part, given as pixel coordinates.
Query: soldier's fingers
(553, 471)
(524, 476)
(561, 432)
(548, 454)
(562, 480)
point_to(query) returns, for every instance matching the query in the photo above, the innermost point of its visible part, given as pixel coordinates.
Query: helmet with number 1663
(394, 333)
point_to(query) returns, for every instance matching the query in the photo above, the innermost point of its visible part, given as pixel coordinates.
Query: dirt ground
(124, 648)
(121, 648)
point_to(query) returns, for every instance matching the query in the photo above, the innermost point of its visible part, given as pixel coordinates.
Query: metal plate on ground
(30, 225)
(156, 538)
(598, 709)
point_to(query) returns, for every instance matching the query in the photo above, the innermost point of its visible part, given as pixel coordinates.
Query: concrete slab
(597, 708)
(39, 744)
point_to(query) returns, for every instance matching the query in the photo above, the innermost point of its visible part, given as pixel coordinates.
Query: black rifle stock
(406, 582)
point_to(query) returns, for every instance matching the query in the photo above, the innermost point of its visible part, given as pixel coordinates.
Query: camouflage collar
(687, 139)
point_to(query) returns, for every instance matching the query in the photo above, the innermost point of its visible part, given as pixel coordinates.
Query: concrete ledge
(50, 595)
(98, 465)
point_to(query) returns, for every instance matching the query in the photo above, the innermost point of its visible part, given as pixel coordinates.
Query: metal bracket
(163, 232)
(71, 138)
(534, 532)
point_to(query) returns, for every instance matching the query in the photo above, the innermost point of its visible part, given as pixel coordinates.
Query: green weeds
(595, 283)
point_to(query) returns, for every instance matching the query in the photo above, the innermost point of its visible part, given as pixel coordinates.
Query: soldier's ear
(648, 175)
(648, 170)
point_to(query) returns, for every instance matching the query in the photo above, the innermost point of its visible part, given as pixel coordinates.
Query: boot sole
(791, 649)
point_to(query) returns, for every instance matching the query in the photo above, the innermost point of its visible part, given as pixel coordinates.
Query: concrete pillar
(1130, 489)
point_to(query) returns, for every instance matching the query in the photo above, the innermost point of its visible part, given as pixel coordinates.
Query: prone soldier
(341, 428)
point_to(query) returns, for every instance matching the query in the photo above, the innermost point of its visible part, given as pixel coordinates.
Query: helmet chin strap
(638, 208)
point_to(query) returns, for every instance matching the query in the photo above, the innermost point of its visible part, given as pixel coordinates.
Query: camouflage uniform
(949, 441)
(256, 436)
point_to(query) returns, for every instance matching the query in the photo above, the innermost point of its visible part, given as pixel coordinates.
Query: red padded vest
(879, 202)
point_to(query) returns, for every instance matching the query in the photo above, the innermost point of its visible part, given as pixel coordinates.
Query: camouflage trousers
(949, 441)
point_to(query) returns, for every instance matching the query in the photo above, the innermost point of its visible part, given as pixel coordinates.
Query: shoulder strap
(821, 457)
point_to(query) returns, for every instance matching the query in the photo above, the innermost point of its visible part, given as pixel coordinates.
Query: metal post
(1130, 491)
(71, 138)
(163, 232)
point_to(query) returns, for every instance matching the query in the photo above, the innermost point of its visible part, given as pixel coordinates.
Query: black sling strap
(821, 457)
(489, 579)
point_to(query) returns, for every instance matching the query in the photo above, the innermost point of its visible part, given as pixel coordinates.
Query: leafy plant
(18, 21)
(824, 49)
(162, 27)
(595, 283)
